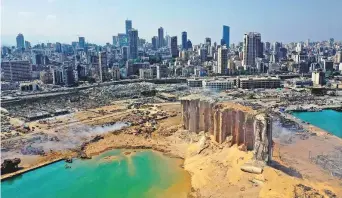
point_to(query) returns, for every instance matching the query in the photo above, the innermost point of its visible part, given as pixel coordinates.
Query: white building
(145, 73)
(318, 77)
(194, 82)
(221, 84)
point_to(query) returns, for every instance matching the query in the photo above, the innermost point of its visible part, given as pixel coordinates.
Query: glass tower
(226, 35)
(184, 40)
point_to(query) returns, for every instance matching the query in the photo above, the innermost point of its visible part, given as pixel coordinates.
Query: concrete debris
(30, 150)
(10, 165)
(306, 191)
(251, 169)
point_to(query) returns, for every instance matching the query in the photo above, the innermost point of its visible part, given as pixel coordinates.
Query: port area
(304, 161)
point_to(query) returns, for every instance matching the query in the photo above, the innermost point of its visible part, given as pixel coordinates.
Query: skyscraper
(276, 47)
(167, 41)
(123, 39)
(267, 47)
(226, 35)
(124, 53)
(27, 45)
(58, 47)
(154, 42)
(133, 43)
(184, 41)
(208, 45)
(174, 46)
(208, 41)
(115, 40)
(81, 42)
(161, 37)
(128, 26)
(189, 44)
(103, 67)
(251, 48)
(20, 41)
(222, 63)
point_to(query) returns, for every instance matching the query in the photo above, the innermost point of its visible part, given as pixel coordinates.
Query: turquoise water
(328, 120)
(141, 174)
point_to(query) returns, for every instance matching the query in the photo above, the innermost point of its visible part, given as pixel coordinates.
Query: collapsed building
(229, 122)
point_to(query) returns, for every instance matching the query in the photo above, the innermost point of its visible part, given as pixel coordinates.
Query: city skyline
(51, 20)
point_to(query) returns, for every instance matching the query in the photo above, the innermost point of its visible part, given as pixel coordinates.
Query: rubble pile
(83, 99)
(144, 122)
(10, 165)
(330, 162)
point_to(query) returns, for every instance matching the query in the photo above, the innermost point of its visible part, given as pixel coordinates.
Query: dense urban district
(225, 109)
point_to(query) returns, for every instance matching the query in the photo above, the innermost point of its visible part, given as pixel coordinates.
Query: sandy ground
(215, 169)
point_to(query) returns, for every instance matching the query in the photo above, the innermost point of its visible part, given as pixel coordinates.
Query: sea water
(143, 173)
(328, 120)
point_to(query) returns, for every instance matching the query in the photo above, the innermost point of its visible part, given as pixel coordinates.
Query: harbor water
(328, 120)
(116, 173)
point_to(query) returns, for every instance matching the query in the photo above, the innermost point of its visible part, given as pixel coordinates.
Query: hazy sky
(99, 20)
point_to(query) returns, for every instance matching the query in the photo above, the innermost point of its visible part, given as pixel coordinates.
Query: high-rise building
(328, 65)
(338, 57)
(189, 44)
(226, 35)
(222, 43)
(128, 26)
(81, 42)
(115, 40)
(251, 48)
(20, 41)
(276, 47)
(103, 65)
(222, 63)
(203, 54)
(133, 43)
(267, 47)
(282, 53)
(124, 53)
(167, 41)
(174, 46)
(318, 77)
(27, 45)
(161, 37)
(208, 45)
(207, 41)
(123, 39)
(184, 41)
(154, 42)
(299, 47)
(58, 47)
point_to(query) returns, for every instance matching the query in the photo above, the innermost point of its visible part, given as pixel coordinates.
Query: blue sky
(99, 20)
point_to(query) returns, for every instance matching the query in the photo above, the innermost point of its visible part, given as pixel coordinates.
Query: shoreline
(215, 169)
(309, 128)
(26, 170)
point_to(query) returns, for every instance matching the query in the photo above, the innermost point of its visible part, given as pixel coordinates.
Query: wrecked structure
(229, 122)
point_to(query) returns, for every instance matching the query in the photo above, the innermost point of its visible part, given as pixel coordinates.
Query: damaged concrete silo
(229, 122)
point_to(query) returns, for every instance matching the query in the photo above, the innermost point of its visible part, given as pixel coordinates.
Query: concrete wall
(230, 123)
